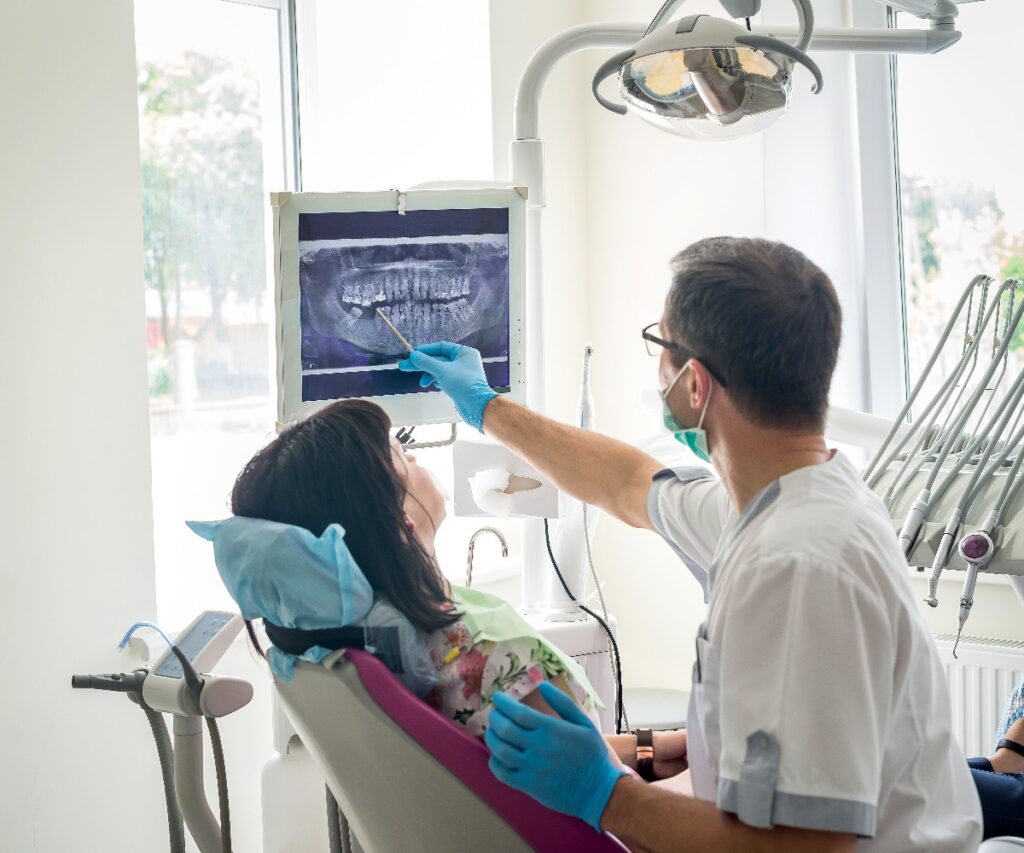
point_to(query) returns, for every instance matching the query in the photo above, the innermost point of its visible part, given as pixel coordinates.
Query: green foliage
(923, 211)
(202, 183)
(1014, 268)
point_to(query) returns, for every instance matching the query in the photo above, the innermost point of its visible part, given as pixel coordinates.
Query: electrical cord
(600, 621)
(222, 785)
(619, 700)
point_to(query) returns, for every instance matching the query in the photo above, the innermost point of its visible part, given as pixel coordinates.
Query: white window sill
(491, 571)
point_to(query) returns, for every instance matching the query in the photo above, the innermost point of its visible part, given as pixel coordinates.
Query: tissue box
(472, 456)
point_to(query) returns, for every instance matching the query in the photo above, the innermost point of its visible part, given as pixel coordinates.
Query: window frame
(885, 332)
(288, 61)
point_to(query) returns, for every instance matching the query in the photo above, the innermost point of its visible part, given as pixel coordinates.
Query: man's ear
(698, 380)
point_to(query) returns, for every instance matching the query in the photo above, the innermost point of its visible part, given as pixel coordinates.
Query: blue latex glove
(562, 763)
(459, 372)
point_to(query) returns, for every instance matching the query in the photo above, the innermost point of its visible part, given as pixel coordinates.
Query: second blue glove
(562, 761)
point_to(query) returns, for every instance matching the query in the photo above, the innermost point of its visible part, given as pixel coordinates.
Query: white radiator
(980, 681)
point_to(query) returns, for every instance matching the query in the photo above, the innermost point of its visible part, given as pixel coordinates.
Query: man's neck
(752, 457)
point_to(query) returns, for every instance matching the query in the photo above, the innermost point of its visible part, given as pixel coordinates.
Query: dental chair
(405, 777)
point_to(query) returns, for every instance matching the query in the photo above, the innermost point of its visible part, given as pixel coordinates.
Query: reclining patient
(334, 526)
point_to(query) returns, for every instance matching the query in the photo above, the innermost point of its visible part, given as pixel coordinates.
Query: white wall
(76, 521)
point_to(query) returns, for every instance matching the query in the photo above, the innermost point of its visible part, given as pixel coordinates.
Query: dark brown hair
(766, 318)
(337, 467)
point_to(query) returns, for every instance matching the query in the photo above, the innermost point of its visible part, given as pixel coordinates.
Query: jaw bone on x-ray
(436, 274)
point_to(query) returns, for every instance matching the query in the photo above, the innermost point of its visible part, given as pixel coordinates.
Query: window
(961, 185)
(217, 135)
(394, 93)
(211, 124)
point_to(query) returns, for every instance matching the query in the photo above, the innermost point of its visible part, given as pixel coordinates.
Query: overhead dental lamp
(706, 77)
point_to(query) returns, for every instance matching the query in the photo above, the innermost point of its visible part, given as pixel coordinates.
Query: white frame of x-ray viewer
(404, 409)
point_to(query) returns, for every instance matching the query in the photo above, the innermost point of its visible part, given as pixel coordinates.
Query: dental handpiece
(585, 407)
(966, 601)
(977, 549)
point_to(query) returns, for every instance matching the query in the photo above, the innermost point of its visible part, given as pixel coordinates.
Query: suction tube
(922, 379)
(175, 825)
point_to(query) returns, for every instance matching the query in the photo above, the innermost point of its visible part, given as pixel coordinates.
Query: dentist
(819, 716)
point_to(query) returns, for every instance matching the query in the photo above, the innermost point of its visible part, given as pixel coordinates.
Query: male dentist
(819, 715)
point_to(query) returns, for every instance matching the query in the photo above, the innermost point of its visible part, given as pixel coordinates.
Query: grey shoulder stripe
(764, 499)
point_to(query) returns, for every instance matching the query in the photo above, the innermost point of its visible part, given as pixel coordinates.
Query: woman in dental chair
(334, 525)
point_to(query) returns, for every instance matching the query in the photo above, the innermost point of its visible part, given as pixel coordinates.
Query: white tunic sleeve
(689, 507)
(805, 662)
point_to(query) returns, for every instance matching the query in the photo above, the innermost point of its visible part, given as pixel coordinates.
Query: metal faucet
(472, 545)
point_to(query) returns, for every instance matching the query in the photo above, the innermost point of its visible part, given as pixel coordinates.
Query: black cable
(222, 785)
(175, 826)
(600, 621)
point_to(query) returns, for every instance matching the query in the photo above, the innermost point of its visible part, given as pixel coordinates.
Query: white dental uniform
(818, 697)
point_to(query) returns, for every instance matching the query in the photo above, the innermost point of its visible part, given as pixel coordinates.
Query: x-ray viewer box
(442, 264)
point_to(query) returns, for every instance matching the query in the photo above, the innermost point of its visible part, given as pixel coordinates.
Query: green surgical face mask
(695, 438)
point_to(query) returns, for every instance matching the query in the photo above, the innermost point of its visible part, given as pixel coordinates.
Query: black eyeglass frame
(679, 350)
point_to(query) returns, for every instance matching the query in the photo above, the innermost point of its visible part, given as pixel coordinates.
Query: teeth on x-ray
(430, 291)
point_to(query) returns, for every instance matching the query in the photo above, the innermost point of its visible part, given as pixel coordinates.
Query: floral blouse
(469, 675)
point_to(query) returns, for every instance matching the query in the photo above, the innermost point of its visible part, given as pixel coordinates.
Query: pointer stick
(391, 326)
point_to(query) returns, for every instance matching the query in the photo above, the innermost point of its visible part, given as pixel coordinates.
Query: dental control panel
(203, 643)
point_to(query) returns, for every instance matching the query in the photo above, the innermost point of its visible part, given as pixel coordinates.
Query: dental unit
(178, 683)
(950, 436)
(964, 450)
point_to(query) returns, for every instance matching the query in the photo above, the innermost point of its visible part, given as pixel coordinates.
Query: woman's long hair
(337, 467)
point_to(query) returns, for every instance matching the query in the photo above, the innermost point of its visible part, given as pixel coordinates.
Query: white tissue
(488, 487)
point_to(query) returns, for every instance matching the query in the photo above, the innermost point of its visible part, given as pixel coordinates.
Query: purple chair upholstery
(466, 757)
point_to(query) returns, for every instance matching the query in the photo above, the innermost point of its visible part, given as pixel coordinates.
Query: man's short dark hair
(766, 319)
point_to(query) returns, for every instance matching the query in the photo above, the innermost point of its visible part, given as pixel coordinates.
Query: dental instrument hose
(600, 621)
(585, 417)
(968, 294)
(222, 785)
(195, 685)
(175, 825)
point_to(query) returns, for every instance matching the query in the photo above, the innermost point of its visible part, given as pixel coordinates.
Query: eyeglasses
(655, 344)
